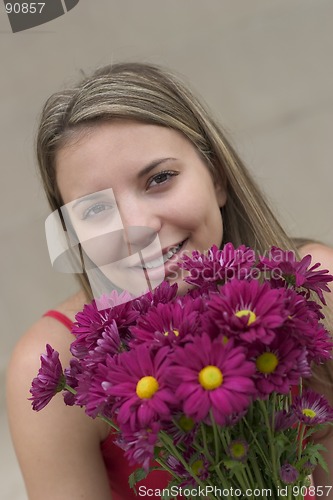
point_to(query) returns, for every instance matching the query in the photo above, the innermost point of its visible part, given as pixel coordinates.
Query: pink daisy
(139, 445)
(217, 266)
(319, 345)
(208, 375)
(312, 408)
(90, 391)
(166, 324)
(90, 324)
(138, 381)
(279, 365)
(49, 381)
(297, 273)
(248, 310)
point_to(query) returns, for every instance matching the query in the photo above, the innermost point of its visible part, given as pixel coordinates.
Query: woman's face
(136, 194)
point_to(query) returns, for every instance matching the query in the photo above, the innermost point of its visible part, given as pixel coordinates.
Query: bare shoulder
(40, 438)
(73, 304)
(25, 360)
(47, 330)
(324, 255)
(320, 253)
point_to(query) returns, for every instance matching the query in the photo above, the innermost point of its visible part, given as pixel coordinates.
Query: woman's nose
(141, 226)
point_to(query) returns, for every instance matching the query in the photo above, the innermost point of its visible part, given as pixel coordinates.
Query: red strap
(68, 323)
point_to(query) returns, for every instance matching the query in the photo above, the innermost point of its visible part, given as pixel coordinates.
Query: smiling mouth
(160, 261)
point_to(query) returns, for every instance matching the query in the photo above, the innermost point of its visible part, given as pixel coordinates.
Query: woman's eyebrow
(88, 197)
(152, 165)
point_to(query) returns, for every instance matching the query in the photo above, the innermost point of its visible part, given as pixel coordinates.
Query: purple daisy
(319, 345)
(217, 266)
(312, 408)
(139, 446)
(288, 474)
(182, 429)
(279, 365)
(110, 342)
(296, 273)
(138, 381)
(208, 375)
(166, 324)
(284, 420)
(197, 463)
(90, 391)
(49, 381)
(248, 310)
(238, 450)
(301, 318)
(90, 324)
(71, 374)
(163, 293)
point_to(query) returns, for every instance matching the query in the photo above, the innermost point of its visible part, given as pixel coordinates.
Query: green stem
(70, 389)
(239, 476)
(302, 429)
(271, 442)
(256, 472)
(216, 439)
(223, 439)
(249, 476)
(260, 450)
(166, 440)
(204, 439)
(166, 467)
(224, 481)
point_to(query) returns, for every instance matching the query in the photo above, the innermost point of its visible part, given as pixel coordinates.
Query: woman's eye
(95, 210)
(161, 178)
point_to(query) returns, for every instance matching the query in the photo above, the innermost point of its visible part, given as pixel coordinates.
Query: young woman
(131, 144)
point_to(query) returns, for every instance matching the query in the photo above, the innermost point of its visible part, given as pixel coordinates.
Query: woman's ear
(221, 193)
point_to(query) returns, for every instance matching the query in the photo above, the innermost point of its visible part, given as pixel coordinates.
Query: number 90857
(24, 8)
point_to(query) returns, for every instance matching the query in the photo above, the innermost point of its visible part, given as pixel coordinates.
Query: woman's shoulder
(70, 306)
(320, 253)
(323, 254)
(48, 330)
(41, 437)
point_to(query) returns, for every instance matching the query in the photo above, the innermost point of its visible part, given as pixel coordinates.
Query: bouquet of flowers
(211, 385)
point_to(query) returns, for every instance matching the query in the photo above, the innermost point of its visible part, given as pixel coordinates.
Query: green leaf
(313, 452)
(322, 462)
(233, 465)
(136, 476)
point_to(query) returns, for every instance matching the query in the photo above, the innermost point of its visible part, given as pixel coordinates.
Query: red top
(116, 464)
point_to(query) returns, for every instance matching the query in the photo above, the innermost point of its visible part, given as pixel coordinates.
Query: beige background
(265, 67)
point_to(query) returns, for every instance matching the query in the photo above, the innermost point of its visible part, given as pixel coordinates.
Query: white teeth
(161, 260)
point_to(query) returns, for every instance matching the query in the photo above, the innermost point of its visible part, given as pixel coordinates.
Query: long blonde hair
(149, 94)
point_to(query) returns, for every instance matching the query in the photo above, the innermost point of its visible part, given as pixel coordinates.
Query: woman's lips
(164, 270)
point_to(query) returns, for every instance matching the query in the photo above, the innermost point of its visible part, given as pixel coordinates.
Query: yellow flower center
(225, 340)
(197, 467)
(238, 450)
(210, 377)
(309, 413)
(146, 387)
(186, 423)
(267, 362)
(176, 332)
(246, 312)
